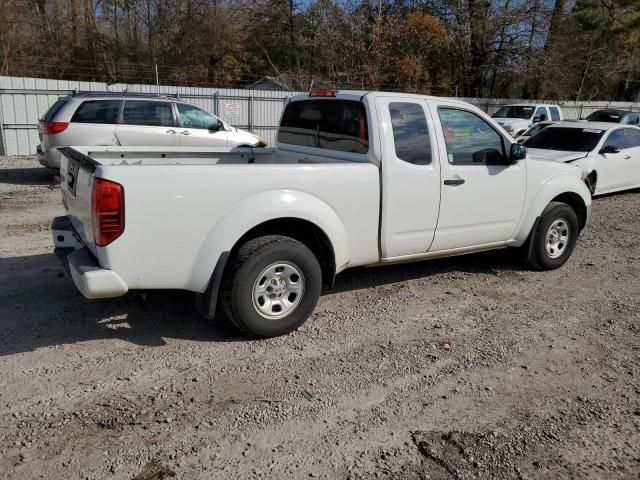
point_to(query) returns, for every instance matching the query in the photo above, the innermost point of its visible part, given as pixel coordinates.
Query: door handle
(171, 131)
(185, 132)
(454, 181)
(627, 157)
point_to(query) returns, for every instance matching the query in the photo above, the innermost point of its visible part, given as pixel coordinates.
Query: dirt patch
(155, 471)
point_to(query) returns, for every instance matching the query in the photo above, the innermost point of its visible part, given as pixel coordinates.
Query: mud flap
(207, 301)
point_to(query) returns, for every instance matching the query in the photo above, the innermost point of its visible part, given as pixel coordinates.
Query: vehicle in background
(537, 127)
(612, 115)
(609, 154)
(517, 118)
(357, 178)
(133, 120)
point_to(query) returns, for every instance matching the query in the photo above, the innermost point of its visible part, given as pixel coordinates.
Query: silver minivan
(133, 120)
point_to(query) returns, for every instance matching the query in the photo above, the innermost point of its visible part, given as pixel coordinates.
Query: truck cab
(517, 118)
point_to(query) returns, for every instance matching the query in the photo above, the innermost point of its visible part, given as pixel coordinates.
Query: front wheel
(272, 287)
(555, 237)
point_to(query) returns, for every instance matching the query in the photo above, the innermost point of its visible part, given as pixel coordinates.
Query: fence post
(251, 111)
(3, 141)
(216, 107)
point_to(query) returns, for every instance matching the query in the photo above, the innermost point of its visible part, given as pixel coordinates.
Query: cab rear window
(339, 125)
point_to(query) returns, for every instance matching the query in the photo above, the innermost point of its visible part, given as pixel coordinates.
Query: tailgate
(76, 182)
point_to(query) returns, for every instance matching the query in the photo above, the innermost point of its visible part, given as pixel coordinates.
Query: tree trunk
(503, 29)
(478, 11)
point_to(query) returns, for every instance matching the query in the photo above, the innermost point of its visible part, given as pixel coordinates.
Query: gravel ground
(471, 367)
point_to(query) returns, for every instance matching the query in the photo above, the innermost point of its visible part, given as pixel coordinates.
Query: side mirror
(610, 149)
(517, 152)
(537, 119)
(489, 156)
(216, 126)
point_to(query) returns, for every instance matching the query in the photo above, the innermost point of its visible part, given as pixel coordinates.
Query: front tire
(554, 238)
(272, 286)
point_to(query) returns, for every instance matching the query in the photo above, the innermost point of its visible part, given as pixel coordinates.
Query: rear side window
(339, 125)
(153, 114)
(97, 111)
(555, 113)
(410, 133)
(632, 137)
(616, 139)
(53, 110)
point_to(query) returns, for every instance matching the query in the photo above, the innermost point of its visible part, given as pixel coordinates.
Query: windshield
(535, 129)
(514, 112)
(566, 139)
(604, 116)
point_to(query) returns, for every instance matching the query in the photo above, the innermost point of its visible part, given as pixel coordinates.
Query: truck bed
(109, 155)
(185, 206)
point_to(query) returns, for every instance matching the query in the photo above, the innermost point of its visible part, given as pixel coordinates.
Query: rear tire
(272, 286)
(554, 238)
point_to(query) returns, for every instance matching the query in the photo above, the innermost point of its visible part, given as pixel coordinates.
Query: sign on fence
(231, 110)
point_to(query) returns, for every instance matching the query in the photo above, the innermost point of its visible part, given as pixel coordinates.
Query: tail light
(107, 211)
(51, 128)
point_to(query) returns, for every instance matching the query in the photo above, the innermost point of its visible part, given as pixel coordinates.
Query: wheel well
(576, 202)
(303, 231)
(591, 181)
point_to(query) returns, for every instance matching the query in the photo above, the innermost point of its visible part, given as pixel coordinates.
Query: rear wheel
(554, 238)
(272, 287)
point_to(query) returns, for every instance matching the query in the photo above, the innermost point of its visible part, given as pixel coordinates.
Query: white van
(133, 120)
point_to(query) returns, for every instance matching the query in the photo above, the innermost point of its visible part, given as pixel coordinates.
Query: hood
(555, 155)
(511, 121)
(249, 137)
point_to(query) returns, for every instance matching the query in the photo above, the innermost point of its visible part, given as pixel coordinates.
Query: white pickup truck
(356, 178)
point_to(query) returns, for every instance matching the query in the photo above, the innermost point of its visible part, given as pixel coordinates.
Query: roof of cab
(532, 104)
(590, 125)
(359, 94)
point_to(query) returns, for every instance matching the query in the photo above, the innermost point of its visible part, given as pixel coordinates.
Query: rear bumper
(82, 266)
(49, 158)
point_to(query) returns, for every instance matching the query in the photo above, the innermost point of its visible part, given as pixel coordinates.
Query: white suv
(517, 118)
(133, 120)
